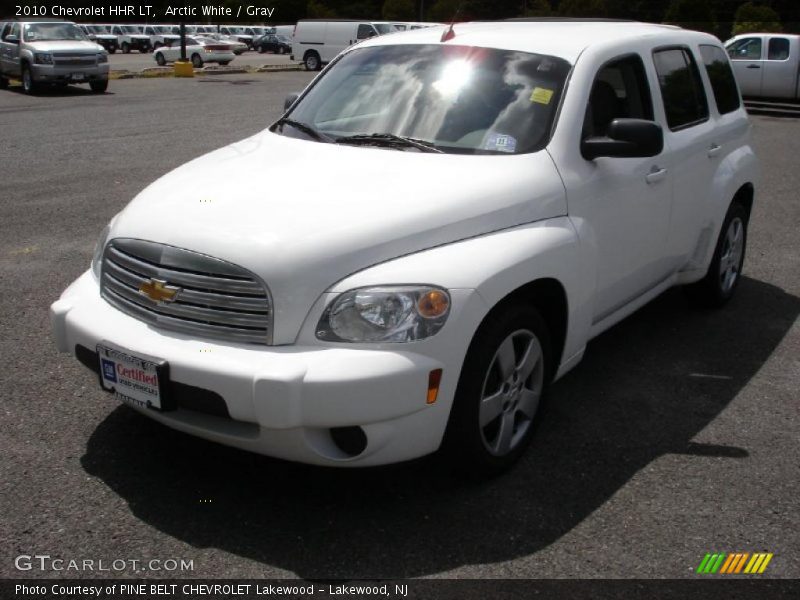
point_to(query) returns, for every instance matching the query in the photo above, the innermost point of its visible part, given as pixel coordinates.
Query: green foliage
(583, 8)
(752, 17)
(443, 11)
(539, 8)
(398, 10)
(691, 14)
(317, 10)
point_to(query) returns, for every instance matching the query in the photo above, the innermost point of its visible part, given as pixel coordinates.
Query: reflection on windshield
(50, 32)
(458, 98)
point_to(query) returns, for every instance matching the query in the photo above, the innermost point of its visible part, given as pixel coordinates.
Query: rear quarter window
(720, 74)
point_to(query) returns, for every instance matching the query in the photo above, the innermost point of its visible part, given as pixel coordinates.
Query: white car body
(611, 234)
(209, 51)
(317, 42)
(766, 64)
(160, 35)
(130, 38)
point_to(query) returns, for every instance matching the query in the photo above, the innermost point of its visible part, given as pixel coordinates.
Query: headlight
(43, 58)
(97, 257)
(385, 314)
(102, 57)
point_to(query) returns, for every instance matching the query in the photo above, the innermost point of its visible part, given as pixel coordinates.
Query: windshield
(129, 29)
(98, 29)
(163, 29)
(50, 32)
(459, 99)
(384, 28)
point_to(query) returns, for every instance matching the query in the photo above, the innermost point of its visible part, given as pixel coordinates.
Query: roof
(563, 38)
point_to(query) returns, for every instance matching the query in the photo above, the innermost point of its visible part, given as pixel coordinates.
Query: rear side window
(778, 49)
(365, 31)
(681, 88)
(723, 84)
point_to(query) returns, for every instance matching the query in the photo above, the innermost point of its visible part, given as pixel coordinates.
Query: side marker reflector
(434, 379)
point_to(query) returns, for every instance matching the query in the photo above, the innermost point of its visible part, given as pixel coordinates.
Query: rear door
(10, 50)
(747, 56)
(780, 67)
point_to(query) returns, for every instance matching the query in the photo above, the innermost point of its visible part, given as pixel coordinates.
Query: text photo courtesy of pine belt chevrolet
(556, 177)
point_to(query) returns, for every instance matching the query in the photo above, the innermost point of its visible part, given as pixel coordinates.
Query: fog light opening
(350, 440)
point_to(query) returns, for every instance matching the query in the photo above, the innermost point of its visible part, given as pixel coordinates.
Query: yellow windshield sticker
(541, 95)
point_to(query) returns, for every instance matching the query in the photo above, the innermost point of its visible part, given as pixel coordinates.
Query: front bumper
(70, 73)
(282, 401)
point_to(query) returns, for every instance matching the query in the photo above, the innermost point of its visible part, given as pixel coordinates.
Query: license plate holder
(135, 379)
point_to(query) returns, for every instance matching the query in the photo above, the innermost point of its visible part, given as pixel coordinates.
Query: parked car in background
(276, 44)
(101, 35)
(766, 65)
(238, 33)
(160, 35)
(199, 50)
(316, 42)
(556, 177)
(237, 47)
(131, 38)
(50, 53)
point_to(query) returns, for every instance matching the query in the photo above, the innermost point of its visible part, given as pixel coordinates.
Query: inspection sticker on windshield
(541, 95)
(500, 142)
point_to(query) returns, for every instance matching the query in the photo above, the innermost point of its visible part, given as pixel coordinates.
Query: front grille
(74, 60)
(217, 299)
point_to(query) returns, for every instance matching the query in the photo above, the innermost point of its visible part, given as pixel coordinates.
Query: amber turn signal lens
(433, 304)
(434, 379)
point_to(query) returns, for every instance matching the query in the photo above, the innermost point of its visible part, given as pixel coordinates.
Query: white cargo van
(317, 42)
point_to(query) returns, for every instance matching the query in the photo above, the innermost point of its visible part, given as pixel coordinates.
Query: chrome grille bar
(216, 298)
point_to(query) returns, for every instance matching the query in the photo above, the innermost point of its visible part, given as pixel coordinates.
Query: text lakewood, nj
(145, 10)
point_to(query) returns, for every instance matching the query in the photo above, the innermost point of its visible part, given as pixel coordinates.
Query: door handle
(753, 66)
(655, 175)
(713, 150)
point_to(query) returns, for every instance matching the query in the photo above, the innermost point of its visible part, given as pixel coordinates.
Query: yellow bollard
(184, 68)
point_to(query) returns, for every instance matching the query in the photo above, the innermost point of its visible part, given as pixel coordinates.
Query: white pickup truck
(766, 65)
(454, 213)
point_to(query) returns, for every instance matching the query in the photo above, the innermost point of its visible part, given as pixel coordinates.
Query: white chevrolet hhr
(455, 213)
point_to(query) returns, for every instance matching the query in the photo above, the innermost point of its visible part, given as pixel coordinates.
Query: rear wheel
(724, 272)
(312, 62)
(197, 61)
(99, 87)
(160, 60)
(502, 382)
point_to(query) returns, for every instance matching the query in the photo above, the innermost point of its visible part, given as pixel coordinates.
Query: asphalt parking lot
(136, 61)
(676, 436)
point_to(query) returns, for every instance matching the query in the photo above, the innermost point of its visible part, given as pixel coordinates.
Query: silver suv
(50, 52)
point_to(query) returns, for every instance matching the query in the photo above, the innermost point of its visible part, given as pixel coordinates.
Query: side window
(681, 87)
(13, 30)
(745, 49)
(4, 28)
(778, 49)
(620, 90)
(720, 74)
(365, 31)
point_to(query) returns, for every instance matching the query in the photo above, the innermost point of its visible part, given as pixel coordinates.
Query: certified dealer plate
(137, 381)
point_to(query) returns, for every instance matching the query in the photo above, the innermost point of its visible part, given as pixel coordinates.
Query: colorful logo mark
(734, 563)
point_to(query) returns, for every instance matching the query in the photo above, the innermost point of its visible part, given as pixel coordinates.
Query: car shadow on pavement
(645, 389)
(58, 91)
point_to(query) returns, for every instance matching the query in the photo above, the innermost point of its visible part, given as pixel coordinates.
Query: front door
(748, 64)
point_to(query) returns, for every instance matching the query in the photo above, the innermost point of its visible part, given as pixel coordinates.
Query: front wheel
(502, 383)
(160, 60)
(725, 270)
(29, 86)
(99, 87)
(197, 61)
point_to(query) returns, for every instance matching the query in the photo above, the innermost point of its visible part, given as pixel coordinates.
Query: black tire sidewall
(463, 445)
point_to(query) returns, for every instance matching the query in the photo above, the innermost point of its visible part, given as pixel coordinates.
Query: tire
(112, 50)
(29, 86)
(144, 50)
(160, 60)
(99, 87)
(262, 50)
(126, 48)
(3, 83)
(501, 387)
(724, 272)
(197, 61)
(312, 62)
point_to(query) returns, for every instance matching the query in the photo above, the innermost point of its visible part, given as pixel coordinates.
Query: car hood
(78, 47)
(332, 210)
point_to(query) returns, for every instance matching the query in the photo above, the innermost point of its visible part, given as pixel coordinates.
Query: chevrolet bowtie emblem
(159, 291)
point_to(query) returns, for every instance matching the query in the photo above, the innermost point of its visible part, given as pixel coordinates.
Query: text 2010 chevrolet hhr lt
(453, 215)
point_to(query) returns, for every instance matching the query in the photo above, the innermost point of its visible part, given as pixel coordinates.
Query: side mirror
(626, 138)
(290, 99)
(12, 39)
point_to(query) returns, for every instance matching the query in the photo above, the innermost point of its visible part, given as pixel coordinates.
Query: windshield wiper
(305, 128)
(388, 139)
